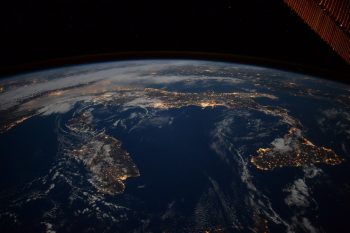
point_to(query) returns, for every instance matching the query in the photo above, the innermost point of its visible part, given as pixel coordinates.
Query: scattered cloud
(312, 172)
(282, 145)
(302, 224)
(308, 226)
(298, 194)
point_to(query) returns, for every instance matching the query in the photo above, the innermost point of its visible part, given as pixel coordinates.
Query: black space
(36, 31)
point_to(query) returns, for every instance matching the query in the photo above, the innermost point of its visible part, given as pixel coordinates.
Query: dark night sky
(39, 30)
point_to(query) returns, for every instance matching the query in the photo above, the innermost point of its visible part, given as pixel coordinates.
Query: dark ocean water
(27, 151)
(181, 174)
(174, 161)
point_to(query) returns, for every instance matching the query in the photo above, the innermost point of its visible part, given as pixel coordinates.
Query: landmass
(171, 99)
(102, 155)
(293, 150)
(48, 102)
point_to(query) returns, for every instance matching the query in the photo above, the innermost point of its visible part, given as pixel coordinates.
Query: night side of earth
(173, 146)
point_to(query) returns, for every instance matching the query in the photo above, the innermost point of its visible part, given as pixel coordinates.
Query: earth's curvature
(173, 146)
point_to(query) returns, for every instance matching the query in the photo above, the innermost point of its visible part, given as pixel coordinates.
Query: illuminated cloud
(298, 194)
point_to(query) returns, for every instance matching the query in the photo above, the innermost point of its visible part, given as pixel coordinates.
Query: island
(293, 150)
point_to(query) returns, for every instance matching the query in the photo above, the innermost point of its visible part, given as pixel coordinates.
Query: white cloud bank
(298, 194)
(98, 78)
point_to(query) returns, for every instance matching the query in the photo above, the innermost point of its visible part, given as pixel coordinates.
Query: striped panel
(330, 19)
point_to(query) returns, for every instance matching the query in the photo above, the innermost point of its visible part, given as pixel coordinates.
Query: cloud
(331, 113)
(282, 145)
(55, 108)
(308, 226)
(220, 134)
(49, 227)
(302, 224)
(298, 194)
(136, 73)
(312, 172)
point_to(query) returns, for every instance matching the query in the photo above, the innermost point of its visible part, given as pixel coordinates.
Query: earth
(173, 146)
